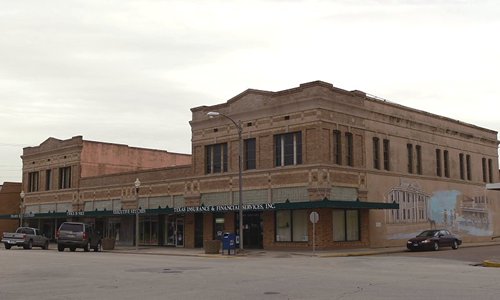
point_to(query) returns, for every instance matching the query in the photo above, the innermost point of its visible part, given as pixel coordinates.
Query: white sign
(314, 217)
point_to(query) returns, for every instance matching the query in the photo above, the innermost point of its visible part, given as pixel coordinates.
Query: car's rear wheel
(7, 246)
(60, 248)
(454, 246)
(72, 249)
(436, 246)
(86, 248)
(46, 245)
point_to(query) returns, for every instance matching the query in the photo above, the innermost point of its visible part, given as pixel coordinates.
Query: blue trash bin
(228, 242)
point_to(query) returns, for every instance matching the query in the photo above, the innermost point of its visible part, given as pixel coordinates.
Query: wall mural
(449, 209)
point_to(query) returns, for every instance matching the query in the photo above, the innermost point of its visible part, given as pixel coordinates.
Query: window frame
(33, 181)
(212, 163)
(376, 153)
(386, 150)
(284, 150)
(346, 225)
(250, 155)
(65, 177)
(337, 147)
(292, 214)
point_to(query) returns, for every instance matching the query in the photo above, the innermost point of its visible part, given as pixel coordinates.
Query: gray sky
(129, 71)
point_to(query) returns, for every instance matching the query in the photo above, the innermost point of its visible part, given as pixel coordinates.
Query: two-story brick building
(375, 171)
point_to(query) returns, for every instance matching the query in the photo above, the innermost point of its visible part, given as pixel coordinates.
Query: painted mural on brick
(448, 209)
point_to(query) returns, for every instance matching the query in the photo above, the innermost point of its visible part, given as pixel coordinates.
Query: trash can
(229, 243)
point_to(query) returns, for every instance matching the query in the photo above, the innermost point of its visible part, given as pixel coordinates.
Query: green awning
(325, 203)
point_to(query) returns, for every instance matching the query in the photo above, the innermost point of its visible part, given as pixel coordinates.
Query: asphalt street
(42, 274)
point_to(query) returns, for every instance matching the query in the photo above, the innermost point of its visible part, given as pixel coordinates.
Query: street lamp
(137, 185)
(21, 208)
(213, 114)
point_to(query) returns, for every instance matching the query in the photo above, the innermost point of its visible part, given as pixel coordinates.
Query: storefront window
(291, 226)
(345, 225)
(283, 229)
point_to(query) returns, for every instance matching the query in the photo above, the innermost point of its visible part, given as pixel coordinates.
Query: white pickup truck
(26, 237)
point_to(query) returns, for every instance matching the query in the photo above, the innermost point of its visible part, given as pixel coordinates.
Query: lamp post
(213, 114)
(137, 185)
(21, 208)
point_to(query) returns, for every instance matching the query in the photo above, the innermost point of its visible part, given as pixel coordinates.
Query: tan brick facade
(309, 115)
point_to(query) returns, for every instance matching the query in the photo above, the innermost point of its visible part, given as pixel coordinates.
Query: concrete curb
(491, 264)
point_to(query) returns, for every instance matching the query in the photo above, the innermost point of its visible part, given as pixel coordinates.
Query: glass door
(170, 231)
(179, 228)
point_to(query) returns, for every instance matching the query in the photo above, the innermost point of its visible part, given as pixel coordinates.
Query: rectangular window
(376, 153)
(462, 168)
(468, 165)
(409, 148)
(386, 155)
(438, 163)
(288, 149)
(346, 225)
(48, 180)
(33, 182)
(337, 147)
(350, 149)
(216, 158)
(250, 154)
(291, 226)
(65, 178)
(418, 148)
(490, 168)
(446, 164)
(485, 171)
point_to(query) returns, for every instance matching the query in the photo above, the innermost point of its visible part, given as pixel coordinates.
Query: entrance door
(198, 230)
(170, 230)
(252, 230)
(179, 232)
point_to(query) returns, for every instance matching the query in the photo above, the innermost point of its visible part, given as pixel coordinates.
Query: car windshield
(427, 233)
(72, 227)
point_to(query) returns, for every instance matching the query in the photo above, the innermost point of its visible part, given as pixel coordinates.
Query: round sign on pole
(314, 217)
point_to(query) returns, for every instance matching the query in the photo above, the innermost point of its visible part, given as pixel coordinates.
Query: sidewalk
(172, 251)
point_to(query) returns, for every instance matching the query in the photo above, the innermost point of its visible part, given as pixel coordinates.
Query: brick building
(9, 206)
(375, 171)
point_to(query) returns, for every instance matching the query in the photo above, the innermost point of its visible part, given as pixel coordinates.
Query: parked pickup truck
(26, 237)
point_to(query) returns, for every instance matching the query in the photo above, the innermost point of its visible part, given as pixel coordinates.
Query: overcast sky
(129, 71)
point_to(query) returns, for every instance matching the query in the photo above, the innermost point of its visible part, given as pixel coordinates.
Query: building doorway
(148, 230)
(198, 230)
(252, 229)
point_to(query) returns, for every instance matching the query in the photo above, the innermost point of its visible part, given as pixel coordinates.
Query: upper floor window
(490, 168)
(216, 158)
(350, 149)
(462, 168)
(250, 154)
(409, 148)
(48, 180)
(337, 147)
(288, 149)
(65, 178)
(418, 148)
(485, 171)
(438, 163)
(386, 154)
(468, 165)
(446, 157)
(376, 153)
(33, 182)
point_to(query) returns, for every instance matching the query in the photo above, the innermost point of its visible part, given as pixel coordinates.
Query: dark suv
(74, 235)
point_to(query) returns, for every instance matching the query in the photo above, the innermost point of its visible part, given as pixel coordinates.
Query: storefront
(271, 226)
